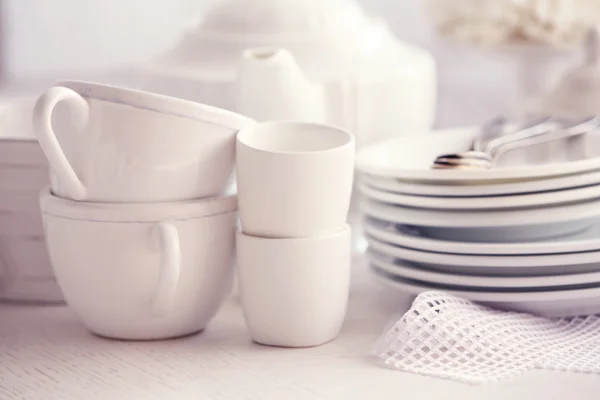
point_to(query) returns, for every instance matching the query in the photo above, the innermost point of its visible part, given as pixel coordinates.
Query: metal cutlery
(535, 132)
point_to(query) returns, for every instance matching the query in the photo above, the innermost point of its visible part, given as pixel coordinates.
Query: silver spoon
(475, 157)
(569, 130)
(540, 131)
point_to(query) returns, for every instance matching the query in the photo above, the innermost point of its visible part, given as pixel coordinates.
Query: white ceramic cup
(294, 179)
(126, 145)
(294, 292)
(142, 271)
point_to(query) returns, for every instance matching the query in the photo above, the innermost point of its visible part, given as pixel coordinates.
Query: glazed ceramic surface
(149, 271)
(490, 226)
(321, 61)
(586, 240)
(442, 189)
(532, 200)
(493, 265)
(546, 303)
(131, 146)
(294, 292)
(407, 270)
(409, 159)
(25, 271)
(294, 179)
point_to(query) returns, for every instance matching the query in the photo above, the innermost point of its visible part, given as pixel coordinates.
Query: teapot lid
(335, 33)
(578, 93)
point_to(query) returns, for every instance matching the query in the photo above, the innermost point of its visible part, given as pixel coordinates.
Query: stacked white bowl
(138, 219)
(25, 270)
(524, 235)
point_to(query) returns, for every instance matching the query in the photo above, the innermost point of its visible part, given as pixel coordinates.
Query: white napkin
(449, 337)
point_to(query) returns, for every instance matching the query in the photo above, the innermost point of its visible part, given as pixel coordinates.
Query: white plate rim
(405, 271)
(432, 190)
(480, 219)
(432, 175)
(553, 198)
(489, 261)
(500, 297)
(473, 248)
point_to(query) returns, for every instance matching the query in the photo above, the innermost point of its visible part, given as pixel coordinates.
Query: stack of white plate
(523, 236)
(25, 270)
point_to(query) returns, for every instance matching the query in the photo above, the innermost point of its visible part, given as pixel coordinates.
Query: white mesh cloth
(449, 337)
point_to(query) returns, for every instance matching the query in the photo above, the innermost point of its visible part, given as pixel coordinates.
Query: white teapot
(306, 60)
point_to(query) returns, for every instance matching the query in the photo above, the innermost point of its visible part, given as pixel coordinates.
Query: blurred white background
(54, 37)
(62, 38)
(44, 37)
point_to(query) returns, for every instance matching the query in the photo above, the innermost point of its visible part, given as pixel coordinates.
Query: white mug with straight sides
(294, 179)
(124, 145)
(294, 292)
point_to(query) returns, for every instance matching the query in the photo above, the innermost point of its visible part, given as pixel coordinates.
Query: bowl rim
(52, 205)
(157, 102)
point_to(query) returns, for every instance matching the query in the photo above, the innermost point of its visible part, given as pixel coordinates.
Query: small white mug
(294, 292)
(142, 271)
(134, 146)
(294, 179)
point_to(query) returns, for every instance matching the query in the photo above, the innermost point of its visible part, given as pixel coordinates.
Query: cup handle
(170, 265)
(42, 124)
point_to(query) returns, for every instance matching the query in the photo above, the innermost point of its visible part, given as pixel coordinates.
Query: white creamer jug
(321, 61)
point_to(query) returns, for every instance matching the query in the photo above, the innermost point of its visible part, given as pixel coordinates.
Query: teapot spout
(272, 87)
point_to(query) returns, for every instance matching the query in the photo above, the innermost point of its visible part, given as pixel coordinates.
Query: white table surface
(46, 354)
